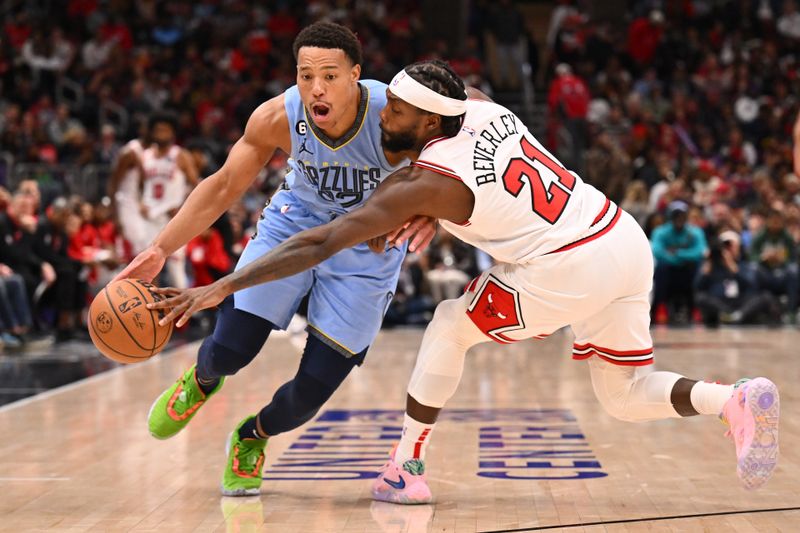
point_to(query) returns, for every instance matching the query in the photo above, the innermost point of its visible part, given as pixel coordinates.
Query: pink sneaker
(405, 485)
(752, 416)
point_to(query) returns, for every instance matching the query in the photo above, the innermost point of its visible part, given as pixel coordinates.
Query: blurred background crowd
(682, 113)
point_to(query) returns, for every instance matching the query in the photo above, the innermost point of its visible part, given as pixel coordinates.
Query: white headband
(410, 90)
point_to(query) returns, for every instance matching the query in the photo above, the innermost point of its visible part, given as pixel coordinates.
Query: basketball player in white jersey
(123, 190)
(168, 175)
(568, 256)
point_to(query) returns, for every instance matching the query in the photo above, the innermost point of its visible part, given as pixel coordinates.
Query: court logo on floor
(513, 444)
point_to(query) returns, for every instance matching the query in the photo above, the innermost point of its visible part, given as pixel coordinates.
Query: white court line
(85, 381)
(34, 479)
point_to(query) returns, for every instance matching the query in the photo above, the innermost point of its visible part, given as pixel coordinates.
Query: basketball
(120, 325)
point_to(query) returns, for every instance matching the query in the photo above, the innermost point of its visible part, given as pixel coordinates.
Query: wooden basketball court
(524, 446)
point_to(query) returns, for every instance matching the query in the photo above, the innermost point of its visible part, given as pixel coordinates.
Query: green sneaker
(242, 476)
(177, 405)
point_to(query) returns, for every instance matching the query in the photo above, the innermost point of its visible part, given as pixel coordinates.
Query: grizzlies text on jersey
(335, 176)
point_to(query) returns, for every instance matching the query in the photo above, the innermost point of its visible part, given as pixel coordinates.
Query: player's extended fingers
(404, 234)
(392, 235)
(174, 313)
(166, 303)
(414, 227)
(422, 239)
(170, 303)
(188, 314)
(167, 291)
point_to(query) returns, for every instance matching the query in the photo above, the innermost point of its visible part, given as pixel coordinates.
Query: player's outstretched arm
(409, 191)
(266, 130)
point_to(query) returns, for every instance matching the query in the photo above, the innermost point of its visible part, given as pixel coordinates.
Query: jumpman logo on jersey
(303, 148)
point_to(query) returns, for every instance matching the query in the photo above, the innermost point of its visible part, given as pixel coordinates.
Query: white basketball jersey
(164, 182)
(128, 189)
(526, 203)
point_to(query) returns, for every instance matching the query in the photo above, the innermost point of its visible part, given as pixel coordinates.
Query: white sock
(709, 398)
(413, 441)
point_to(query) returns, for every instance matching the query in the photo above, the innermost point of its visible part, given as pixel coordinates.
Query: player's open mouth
(320, 111)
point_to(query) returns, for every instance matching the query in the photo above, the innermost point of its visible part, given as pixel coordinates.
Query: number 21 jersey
(526, 203)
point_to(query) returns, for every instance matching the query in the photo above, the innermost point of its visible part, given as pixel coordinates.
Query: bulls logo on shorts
(495, 309)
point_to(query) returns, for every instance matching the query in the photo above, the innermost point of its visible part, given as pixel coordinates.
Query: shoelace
(248, 457)
(188, 396)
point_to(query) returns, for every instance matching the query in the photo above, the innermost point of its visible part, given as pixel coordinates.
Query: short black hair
(164, 117)
(440, 77)
(329, 35)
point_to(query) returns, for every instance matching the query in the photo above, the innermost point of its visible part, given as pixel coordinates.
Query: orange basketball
(120, 325)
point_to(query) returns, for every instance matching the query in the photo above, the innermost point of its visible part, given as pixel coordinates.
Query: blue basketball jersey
(334, 176)
(350, 291)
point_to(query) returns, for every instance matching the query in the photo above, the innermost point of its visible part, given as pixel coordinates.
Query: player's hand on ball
(145, 266)
(184, 303)
(423, 229)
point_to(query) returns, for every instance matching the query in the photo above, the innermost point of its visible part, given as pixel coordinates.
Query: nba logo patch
(469, 130)
(284, 209)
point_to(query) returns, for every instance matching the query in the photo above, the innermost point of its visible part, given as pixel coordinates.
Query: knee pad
(327, 364)
(322, 369)
(215, 360)
(451, 322)
(615, 403)
(238, 337)
(294, 403)
(440, 361)
(307, 394)
(633, 394)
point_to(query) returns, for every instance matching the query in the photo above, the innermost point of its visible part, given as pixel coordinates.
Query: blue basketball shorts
(349, 292)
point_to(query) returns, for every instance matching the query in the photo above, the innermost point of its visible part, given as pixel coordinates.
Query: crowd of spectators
(684, 116)
(80, 76)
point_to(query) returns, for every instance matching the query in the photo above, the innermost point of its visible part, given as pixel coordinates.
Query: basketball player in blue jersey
(329, 124)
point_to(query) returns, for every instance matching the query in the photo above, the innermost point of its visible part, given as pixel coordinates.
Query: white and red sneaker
(752, 417)
(404, 484)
